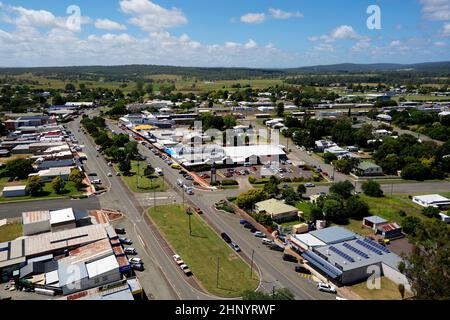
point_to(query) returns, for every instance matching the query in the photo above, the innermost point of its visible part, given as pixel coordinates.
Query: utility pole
(218, 269)
(137, 175)
(251, 266)
(190, 225)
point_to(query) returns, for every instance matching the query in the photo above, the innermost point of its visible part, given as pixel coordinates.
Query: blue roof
(322, 264)
(333, 235)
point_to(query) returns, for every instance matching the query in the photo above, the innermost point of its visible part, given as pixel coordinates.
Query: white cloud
(344, 32)
(106, 24)
(280, 14)
(446, 30)
(362, 46)
(395, 43)
(253, 18)
(436, 9)
(324, 47)
(251, 44)
(150, 16)
(313, 38)
(440, 44)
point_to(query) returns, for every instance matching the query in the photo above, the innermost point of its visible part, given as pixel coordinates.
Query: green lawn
(305, 206)
(47, 193)
(10, 232)
(201, 250)
(388, 291)
(142, 184)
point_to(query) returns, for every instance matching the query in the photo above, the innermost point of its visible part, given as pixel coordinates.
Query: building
(345, 257)
(384, 117)
(36, 222)
(337, 151)
(368, 169)
(390, 231)
(373, 222)
(432, 200)
(321, 145)
(255, 154)
(62, 219)
(277, 210)
(14, 191)
(51, 173)
(382, 133)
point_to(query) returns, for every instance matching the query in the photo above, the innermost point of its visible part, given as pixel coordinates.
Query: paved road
(13, 210)
(162, 280)
(274, 271)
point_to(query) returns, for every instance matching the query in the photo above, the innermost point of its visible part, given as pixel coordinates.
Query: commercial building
(277, 210)
(432, 200)
(51, 173)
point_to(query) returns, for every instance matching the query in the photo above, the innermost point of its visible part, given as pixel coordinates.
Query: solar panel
(342, 254)
(357, 251)
(367, 246)
(376, 245)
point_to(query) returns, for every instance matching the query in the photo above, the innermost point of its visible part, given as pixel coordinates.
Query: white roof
(102, 266)
(51, 277)
(432, 198)
(307, 239)
(14, 188)
(59, 216)
(256, 150)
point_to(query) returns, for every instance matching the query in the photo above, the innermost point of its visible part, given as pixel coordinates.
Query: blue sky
(244, 33)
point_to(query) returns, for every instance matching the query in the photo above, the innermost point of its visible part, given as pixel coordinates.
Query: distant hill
(136, 72)
(377, 67)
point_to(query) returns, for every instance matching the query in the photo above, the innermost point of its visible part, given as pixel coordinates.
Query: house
(14, 191)
(390, 230)
(382, 133)
(321, 145)
(277, 210)
(384, 117)
(373, 222)
(432, 200)
(337, 151)
(368, 169)
(51, 173)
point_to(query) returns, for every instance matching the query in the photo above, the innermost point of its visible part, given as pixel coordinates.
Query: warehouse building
(14, 191)
(432, 200)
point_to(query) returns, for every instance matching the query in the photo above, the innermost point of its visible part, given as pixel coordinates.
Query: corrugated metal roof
(35, 216)
(333, 235)
(102, 266)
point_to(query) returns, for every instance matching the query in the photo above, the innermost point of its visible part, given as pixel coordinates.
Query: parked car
(138, 266)
(267, 242)
(289, 258)
(248, 225)
(276, 247)
(253, 229)
(98, 181)
(259, 234)
(178, 260)
(135, 260)
(92, 174)
(235, 247)
(120, 230)
(186, 269)
(205, 176)
(125, 241)
(310, 185)
(325, 288)
(301, 269)
(228, 175)
(243, 222)
(131, 251)
(117, 174)
(110, 174)
(226, 238)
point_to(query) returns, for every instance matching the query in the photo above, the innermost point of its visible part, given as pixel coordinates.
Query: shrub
(251, 180)
(229, 182)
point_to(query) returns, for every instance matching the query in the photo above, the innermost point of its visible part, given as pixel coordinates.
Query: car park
(326, 288)
(289, 258)
(131, 251)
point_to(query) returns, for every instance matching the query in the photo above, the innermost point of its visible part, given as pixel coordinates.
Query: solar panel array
(318, 263)
(342, 254)
(376, 245)
(357, 251)
(367, 246)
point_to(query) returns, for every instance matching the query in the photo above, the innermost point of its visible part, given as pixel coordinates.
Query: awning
(322, 264)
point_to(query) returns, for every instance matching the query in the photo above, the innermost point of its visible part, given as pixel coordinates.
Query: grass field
(10, 232)
(388, 291)
(47, 192)
(201, 250)
(145, 184)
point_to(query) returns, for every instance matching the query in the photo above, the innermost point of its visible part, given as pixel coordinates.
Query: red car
(205, 176)
(229, 175)
(254, 169)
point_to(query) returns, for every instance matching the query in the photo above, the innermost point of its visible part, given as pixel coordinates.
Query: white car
(178, 260)
(110, 174)
(326, 288)
(135, 261)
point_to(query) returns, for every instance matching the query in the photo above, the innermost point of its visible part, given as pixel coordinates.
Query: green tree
(372, 188)
(77, 177)
(301, 190)
(416, 171)
(125, 166)
(343, 189)
(345, 165)
(34, 186)
(431, 212)
(149, 171)
(58, 184)
(428, 266)
(290, 196)
(271, 188)
(70, 87)
(356, 208)
(333, 210)
(280, 110)
(20, 168)
(248, 199)
(329, 157)
(131, 149)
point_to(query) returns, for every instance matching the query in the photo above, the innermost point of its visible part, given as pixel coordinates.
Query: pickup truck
(186, 269)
